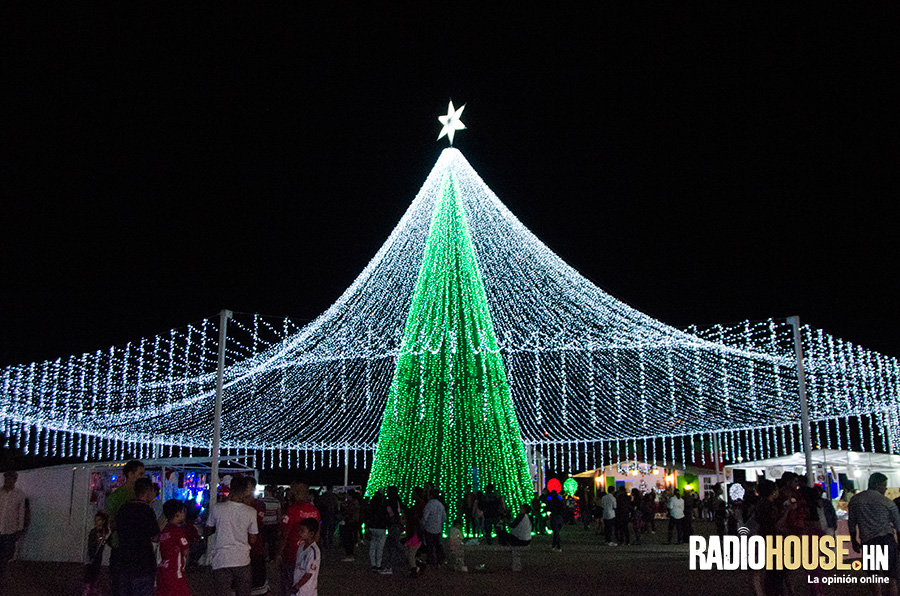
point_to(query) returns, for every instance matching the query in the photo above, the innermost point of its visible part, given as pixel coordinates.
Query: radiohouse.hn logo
(782, 552)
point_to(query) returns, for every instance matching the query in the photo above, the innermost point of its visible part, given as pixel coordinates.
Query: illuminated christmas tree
(449, 418)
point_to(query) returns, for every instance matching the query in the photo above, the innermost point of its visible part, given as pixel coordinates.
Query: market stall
(64, 499)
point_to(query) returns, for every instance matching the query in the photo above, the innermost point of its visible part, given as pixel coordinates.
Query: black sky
(159, 164)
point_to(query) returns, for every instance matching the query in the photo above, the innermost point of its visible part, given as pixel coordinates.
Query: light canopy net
(592, 380)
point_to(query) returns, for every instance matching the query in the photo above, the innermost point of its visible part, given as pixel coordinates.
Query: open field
(585, 567)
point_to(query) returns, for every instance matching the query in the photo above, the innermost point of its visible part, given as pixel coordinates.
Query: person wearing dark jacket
(137, 529)
(491, 504)
(624, 509)
(556, 507)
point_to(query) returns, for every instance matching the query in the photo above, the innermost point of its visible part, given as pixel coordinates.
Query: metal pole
(804, 405)
(217, 417)
(718, 456)
(346, 466)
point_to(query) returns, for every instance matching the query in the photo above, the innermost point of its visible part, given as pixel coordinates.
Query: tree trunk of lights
(217, 416)
(804, 405)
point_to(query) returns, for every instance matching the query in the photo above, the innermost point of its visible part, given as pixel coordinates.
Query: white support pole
(532, 466)
(804, 405)
(346, 466)
(718, 456)
(540, 463)
(217, 417)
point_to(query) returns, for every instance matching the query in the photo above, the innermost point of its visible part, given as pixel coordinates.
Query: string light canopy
(592, 380)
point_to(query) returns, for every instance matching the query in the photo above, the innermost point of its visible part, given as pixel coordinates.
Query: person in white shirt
(234, 523)
(519, 533)
(608, 504)
(306, 569)
(433, 518)
(12, 518)
(518, 537)
(676, 517)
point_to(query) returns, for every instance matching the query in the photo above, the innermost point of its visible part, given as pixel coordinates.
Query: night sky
(160, 164)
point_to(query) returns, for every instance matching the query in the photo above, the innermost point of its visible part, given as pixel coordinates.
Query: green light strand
(449, 410)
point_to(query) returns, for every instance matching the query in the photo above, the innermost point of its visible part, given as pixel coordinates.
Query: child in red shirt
(173, 551)
(299, 510)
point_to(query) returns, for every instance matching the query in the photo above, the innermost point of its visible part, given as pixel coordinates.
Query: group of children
(174, 546)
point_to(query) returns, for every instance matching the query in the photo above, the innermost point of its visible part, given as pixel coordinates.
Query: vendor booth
(64, 499)
(837, 469)
(645, 476)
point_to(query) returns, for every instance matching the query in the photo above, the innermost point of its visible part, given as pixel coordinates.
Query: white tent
(855, 465)
(64, 499)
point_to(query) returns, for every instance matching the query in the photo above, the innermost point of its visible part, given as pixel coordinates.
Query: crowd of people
(285, 528)
(249, 533)
(149, 554)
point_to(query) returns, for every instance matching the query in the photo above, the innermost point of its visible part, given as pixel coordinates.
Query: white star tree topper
(451, 122)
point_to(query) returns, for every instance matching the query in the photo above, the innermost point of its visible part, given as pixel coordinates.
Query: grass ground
(585, 567)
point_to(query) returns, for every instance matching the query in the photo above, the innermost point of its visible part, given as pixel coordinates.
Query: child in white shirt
(457, 555)
(306, 570)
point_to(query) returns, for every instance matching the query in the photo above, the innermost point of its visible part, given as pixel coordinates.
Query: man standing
(433, 518)
(12, 519)
(676, 517)
(691, 501)
(268, 529)
(876, 517)
(132, 471)
(137, 527)
(234, 523)
(328, 506)
(608, 504)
